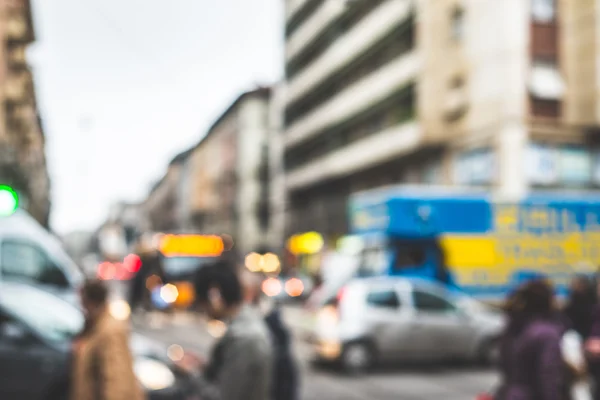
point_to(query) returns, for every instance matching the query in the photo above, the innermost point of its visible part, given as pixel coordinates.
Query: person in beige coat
(102, 361)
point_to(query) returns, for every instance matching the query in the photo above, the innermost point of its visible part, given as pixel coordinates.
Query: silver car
(402, 319)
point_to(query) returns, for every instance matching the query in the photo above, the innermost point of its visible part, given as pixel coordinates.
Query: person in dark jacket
(285, 385)
(592, 348)
(531, 362)
(151, 264)
(580, 305)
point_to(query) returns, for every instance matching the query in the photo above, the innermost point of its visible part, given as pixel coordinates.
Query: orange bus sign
(191, 246)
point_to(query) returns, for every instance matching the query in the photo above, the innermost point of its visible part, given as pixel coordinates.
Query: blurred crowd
(549, 352)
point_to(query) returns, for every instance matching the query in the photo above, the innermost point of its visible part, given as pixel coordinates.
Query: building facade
(229, 174)
(22, 144)
(161, 206)
(455, 92)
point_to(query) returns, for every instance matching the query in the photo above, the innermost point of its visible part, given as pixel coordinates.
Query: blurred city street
(452, 382)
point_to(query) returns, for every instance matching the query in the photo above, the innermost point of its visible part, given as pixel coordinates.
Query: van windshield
(184, 265)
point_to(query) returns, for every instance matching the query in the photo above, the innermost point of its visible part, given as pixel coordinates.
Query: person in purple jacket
(531, 362)
(592, 348)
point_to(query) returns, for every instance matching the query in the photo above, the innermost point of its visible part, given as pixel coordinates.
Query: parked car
(36, 330)
(29, 253)
(400, 319)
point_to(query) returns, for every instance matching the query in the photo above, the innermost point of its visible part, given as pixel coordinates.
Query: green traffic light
(9, 200)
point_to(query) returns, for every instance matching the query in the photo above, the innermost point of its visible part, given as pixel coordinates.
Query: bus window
(409, 255)
(373, 261)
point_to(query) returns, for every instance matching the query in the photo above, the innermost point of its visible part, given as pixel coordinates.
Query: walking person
(102, 362)
(592, 348)
(151, 264)
(240, 366)
(285, 379)
(580, 306)
(531, 362)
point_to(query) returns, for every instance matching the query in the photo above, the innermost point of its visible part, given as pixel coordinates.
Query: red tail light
(340, 295)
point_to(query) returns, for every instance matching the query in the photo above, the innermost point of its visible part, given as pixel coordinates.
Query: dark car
(36, 329)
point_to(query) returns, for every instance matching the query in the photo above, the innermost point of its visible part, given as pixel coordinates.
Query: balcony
(16, 57)
(369, 152)
(19, 87)
(359, 39)
(356, 98)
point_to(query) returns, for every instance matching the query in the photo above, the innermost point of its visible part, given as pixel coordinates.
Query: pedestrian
(592, 348)
(240, 366)
(531, 363)
(580, 305)
(285, 379)
(102, 362)
(151, 264)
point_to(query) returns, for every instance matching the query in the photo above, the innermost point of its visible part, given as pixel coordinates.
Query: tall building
(161, 207)
(229, 172)
(497, 94)
(22, 156)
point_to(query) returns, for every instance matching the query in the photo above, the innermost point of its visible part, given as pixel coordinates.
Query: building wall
(474, 74)
(580, 46)
(277, 192)
(22, 144)
(253, 120)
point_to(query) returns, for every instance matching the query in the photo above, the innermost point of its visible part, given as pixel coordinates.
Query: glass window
(409, 256)
(24, 261)
(373, 261)
(383, 299)
(543, 10)
(49, 316)
(425, 301)
(184, 265)
(458, 24)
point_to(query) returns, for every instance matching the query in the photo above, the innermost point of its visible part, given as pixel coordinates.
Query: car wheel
(357, 358)
(489, 353)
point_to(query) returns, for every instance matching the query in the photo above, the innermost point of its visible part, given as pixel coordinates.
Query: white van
(31, 254)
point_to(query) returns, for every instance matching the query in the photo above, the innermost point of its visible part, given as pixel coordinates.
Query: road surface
(415, 383)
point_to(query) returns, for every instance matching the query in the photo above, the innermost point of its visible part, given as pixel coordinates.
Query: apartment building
(224, 179)
(22, 143)
(498, 94)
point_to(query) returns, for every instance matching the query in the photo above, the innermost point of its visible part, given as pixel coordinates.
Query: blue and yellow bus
(474, 241)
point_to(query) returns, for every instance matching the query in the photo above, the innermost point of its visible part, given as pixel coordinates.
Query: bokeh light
(175, 352)
(9, 200)
(271, 287)
(119, 309)
(169, 293)
(216, 328)
(294, 287)
(253, 262)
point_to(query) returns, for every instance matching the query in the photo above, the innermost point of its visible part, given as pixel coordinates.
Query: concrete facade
(498, 94)
(22, 143)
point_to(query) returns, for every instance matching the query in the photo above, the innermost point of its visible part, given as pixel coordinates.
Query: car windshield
(49, 316)
(182, 265)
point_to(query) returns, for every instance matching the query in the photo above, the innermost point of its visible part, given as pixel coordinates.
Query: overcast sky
(124, 85)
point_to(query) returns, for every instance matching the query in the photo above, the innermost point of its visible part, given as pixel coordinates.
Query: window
(49, 316)
(458, 24)
(429, 302)
(543, 10)
(383, 299)
(23, 261)
(409, 255)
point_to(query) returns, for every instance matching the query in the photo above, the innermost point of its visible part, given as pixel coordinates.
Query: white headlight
(119, 309)
(152, 374)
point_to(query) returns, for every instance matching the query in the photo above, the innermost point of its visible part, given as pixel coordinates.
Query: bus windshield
(184, 265)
